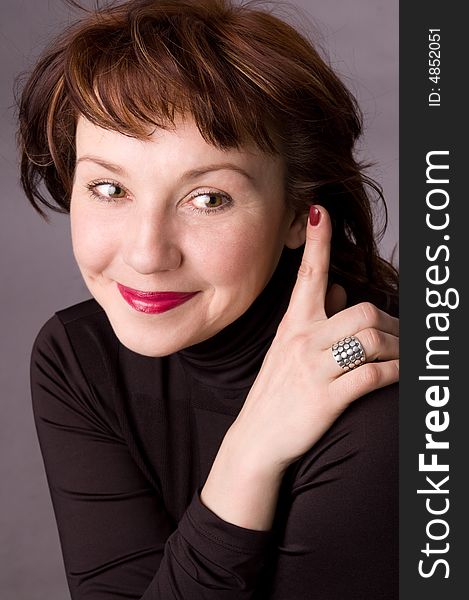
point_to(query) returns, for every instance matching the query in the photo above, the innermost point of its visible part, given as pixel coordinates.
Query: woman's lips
(153, 302)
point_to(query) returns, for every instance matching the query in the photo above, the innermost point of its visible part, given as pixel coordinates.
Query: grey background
(39, 276)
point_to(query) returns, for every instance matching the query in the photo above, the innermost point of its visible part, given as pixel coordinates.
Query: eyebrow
(187, 175)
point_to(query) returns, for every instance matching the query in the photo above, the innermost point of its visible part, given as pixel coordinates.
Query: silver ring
(348, 353)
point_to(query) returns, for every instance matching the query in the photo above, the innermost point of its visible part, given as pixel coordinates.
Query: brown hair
(244, 75)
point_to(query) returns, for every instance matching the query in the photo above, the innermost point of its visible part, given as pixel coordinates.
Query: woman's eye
(111, 190)
(210, 201)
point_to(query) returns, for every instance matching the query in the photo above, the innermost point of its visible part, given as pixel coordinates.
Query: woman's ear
(296, 233)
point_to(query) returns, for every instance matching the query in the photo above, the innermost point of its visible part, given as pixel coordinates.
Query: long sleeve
(117, 538)
(337, 518)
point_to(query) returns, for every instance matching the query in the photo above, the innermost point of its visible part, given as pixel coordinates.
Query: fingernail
(314, 215)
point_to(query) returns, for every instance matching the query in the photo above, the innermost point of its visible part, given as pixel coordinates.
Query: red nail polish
(314, 215)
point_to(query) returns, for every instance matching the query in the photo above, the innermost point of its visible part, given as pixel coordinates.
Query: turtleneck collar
(232, 358)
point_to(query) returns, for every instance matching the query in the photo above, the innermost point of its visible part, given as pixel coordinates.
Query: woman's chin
(157, 335)
(148, 346)
(148, 339)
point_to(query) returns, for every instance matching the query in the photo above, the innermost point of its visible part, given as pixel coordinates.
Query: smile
(153, 302)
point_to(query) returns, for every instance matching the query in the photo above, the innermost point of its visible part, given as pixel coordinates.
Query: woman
(195, 416)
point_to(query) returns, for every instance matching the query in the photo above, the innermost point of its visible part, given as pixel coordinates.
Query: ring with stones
(348, 353)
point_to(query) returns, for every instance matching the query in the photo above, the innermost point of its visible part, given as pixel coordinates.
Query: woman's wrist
(241, 490)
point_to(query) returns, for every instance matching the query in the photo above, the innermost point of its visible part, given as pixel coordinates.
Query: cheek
(92, 243)
(236, 257)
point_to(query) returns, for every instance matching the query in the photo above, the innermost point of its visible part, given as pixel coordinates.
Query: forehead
(181, 145)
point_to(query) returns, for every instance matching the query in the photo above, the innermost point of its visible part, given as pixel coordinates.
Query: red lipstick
(153, 302)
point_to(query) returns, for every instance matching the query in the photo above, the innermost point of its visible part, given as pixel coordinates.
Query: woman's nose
(150, 244)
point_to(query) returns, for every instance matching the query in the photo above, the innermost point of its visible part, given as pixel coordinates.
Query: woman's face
(203, 227)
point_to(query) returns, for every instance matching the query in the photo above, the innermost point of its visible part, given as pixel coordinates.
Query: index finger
(309, 294)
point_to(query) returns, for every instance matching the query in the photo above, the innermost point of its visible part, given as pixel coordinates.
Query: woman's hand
(301, 390)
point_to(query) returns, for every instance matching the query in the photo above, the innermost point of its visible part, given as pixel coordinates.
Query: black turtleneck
(128, 441)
